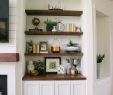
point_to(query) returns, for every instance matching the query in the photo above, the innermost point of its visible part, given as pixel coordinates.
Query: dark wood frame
(40, 47)
(47, 58)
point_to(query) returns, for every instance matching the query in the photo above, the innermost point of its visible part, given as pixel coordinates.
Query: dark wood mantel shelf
(9, 57)
(55, 77)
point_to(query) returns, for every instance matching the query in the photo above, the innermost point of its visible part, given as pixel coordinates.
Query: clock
(35, 22)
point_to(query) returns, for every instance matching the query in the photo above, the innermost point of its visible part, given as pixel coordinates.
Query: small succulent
(100, 58)
(71, 44)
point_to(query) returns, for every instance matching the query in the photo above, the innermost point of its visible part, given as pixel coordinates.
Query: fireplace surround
(3, 84)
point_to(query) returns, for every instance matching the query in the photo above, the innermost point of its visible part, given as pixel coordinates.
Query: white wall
(103, 44)
(104, 86)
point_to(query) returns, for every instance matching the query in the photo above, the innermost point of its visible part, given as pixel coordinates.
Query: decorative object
(40, 67)
(55, 48)
(29, 47)
(43, 47)
(100, 58)
(35, 47)
(55, 5)
(72, 47)
(50, 24)
(60, 27)
(74, 63)
(61, 70)
(30, 67)
(78, 29)
(35, 22)
(52, 64)
(54, 29)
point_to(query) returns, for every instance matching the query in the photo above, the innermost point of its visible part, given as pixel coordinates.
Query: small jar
(55, 49)
(72, 71)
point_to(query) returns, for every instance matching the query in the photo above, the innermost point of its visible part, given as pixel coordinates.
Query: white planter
(98, 70)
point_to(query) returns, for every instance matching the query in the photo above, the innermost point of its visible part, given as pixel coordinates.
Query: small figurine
(30, 67)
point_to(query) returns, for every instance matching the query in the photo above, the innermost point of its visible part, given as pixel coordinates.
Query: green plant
(100, 58)
(70, 44)
(40, 66)
(50, 22)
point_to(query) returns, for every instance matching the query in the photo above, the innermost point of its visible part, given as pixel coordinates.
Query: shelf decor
(43, 47)
(52, 63)
(99, 60)
(36, 22)
(50, 24)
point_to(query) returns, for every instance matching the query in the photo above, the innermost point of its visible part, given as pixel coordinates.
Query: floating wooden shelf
(54, 12)
(54, 33)
(55, 77)
(56, 54)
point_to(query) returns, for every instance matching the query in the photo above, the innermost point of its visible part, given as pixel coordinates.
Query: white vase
(98, 70)
(54, 29)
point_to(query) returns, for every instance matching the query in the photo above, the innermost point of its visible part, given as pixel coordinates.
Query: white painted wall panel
(78, 88)
(47, 88)
(31, 88)
(12, 11)
(62, 88)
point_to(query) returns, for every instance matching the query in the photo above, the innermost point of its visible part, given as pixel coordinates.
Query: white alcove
(103, 43)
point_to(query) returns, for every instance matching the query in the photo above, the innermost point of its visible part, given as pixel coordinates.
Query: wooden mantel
(9, 57)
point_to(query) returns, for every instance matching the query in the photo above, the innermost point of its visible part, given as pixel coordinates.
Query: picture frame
(43, 47)
(52, 63)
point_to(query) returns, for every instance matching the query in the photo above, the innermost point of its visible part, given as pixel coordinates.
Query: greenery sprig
(50, 22)
(100, 58)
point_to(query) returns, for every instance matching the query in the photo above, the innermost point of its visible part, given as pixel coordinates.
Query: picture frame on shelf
(52, 63)
(43, 47)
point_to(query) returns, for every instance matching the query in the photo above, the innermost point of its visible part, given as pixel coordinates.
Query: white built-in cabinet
(54, 87)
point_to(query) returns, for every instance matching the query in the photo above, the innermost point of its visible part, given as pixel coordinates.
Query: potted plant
(50, 24)
(72, 47)
(40, 67)
(100, 58)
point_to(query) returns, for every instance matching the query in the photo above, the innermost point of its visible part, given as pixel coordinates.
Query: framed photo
(52, 63)
(43, 47)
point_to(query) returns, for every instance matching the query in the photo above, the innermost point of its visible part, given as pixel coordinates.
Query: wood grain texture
(55, 77)
(80, 54)
(9, 57)
(54, 12)
(54, 33)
